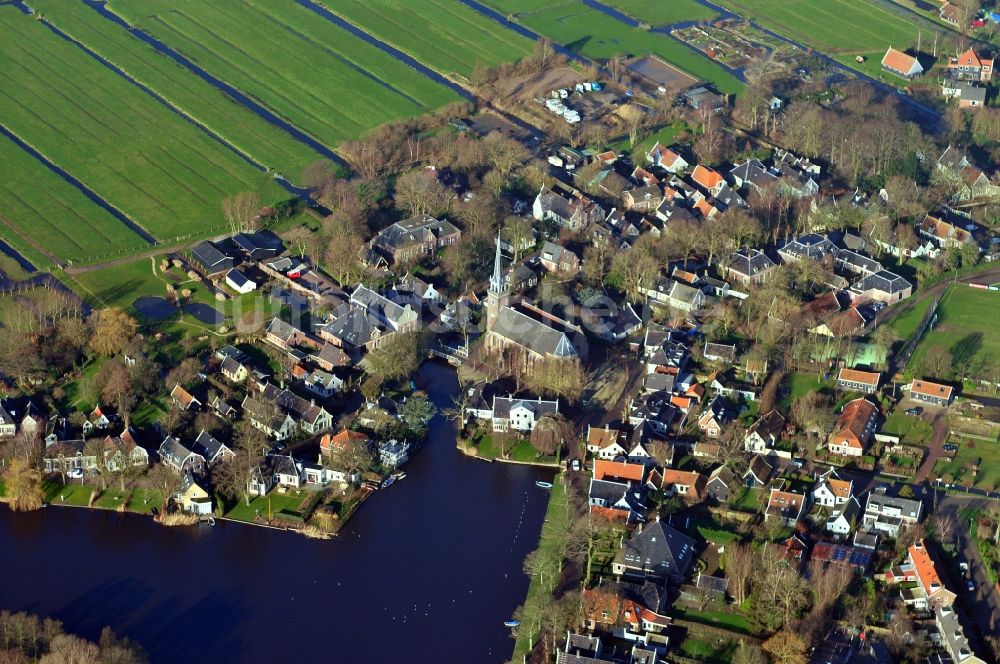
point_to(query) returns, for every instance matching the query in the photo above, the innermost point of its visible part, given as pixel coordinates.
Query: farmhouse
(901, 64)
(855, 428)
(970, 67)
(932, 393)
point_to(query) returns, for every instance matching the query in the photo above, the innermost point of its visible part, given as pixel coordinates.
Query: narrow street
(983, 604)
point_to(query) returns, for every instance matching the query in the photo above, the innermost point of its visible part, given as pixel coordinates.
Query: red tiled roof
(618, 469)
(706, 177)
(340, 439)
(853, 421)
(899, 61)
(855, 376)
(930, 389)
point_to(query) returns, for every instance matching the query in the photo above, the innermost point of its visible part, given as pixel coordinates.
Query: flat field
(162, 171)
(594, 34)
(831, 26)
(663, 13)
(42, 215)
(966, 328)
(445, 35)
(316, 75)
(226, 117)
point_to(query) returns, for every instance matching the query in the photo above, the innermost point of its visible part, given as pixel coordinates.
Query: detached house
(572, 210)
(180, 458)
(605, 443)
(644, 199)
(855, 428)
(713, 418)
(617, 501)
(853, 380)
(656, 552)
(935, 394)
(183, 399)
(763, 435)
(688, 485)
(665, 158)
(831, 491)
(412, 238)
(521, 414)
(970, 67)
(757, 474)
(901, 64)
(708, 179)
(556, 258)
(749, 266)
(884, 286)
(787, 506)
(887, 514)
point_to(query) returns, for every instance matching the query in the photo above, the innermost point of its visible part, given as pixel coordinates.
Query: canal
(427, 570)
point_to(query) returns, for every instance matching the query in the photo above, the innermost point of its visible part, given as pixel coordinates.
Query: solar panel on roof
(860, 558)
(839, 554)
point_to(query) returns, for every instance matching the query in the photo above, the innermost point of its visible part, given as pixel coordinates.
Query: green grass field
(798, 385)
(254, 136)
(663, 13)
(162, 171)
(965, 328)
(67, 494)
(319, 77)
(43, 215)
(442, 34)
(832, 26)
(960, 469)
(908, 320)
(911, 430)
(596, 35)
(273, 502)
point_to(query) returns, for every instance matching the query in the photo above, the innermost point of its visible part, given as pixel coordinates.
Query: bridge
(453, 354)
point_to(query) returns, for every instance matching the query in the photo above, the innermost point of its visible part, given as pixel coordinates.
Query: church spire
(498, 282)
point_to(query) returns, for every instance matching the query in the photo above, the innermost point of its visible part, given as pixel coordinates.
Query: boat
(543, 485)
(388, 482)
(511, 623)
(211, 520)
(399, 475)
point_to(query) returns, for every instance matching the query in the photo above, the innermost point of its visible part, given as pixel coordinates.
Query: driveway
(935, 449)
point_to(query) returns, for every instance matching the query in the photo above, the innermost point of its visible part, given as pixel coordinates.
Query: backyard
(975, 464)
(268, 507)
(912, 430)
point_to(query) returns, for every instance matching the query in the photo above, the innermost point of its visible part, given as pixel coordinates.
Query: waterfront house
(193, 498)
(122, 450)
(287, 471)
(179, 458)
(394, 453)
(520, 414)
(66, 455)
(605, 443)
(656, 551)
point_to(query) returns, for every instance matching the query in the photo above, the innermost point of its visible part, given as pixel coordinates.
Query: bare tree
(242, 211)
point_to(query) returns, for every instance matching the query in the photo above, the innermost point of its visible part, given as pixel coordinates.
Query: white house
(843, 520)
(240, 282)
(520, 414)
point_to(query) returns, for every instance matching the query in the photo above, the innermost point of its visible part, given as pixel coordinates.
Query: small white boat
(401, 475)
(388, 482)
(511, 623)
(543, 485)
(211, 520)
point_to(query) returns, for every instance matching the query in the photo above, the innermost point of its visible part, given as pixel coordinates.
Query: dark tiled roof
(750, 262)
(532, 334)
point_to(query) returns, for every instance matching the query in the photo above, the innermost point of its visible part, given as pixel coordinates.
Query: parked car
(970, 585)
(75, 474)
(913, 412)
(798, 463)
(575, 464)
(964, 566)
(950, 448)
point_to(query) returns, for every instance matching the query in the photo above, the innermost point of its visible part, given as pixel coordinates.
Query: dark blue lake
(427, 570)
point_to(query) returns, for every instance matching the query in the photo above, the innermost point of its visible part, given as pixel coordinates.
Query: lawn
(119, 285)
(725, 619)
(266, 143)
(111, 499)
(911, 430)
(445, 35)
(144, 500)
(959, 469)
(45, 217)
(750, 500)
(799, 384)
(555, 517)
(314, 74)
(962, 330)
(163, 172)
(521, 451)
(593, 34)
(911, 315)
(663, 13)
(272, 503)
(68, 494)
(832, 26)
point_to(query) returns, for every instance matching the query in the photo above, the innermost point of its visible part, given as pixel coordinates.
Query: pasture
(445, 35)
(663, 13)
(226, 117)
(314, 74)
(162, 171)
(45, 218)
(832, 26)
(965, 329)
(596, 35)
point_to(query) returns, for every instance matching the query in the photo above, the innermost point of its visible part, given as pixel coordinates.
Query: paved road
(983, 604)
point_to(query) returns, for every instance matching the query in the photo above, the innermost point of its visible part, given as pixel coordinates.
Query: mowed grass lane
(445, 35)
(663, 12)
(317, 76)
(41, 212)
(226, 117)
(596, 35)
(831, 26)
(162, 171)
